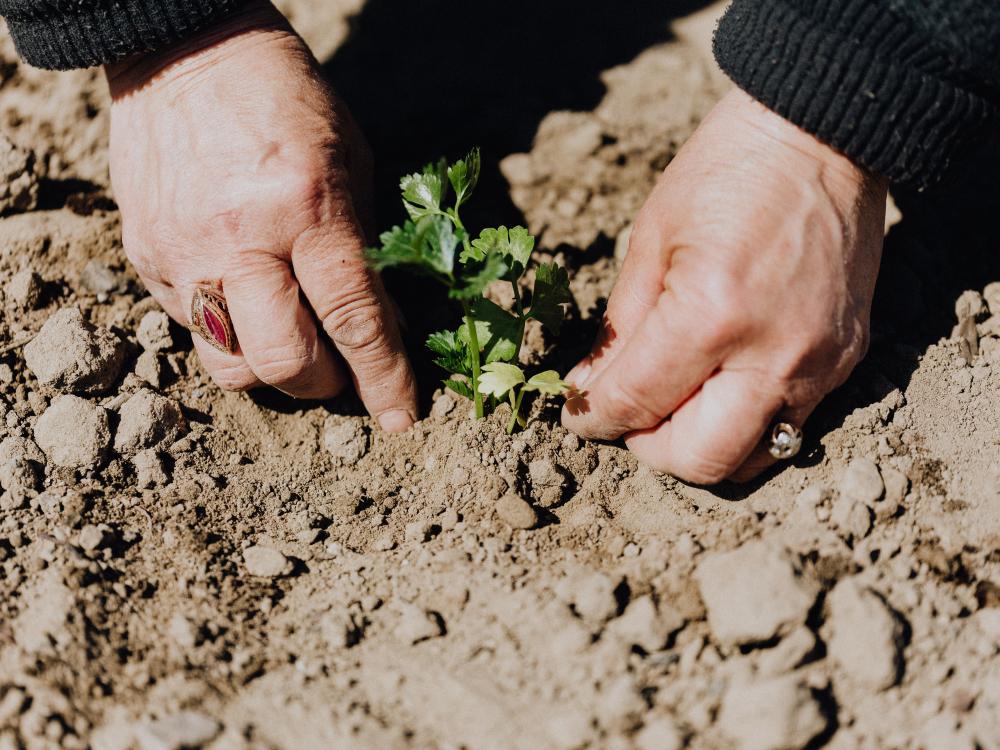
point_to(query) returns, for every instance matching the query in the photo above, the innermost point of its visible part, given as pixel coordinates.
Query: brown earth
(250, 572)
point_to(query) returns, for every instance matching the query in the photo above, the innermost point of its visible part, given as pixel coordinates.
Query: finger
(229, 371)
(634, 294)
(713, 433)
(277, 333)
(349, 300)
(672, 352)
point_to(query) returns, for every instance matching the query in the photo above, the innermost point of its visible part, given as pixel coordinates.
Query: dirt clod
(864, 635)
(266, 562)
(180, 731)
(345, 439)
(417, 624)
(862, 482)
(74, 433)
(70, 354)
(516, 512)
(753, 593)
(18, 181)
(24, 290)
(774, 714)
(148, 420)
(154, 332)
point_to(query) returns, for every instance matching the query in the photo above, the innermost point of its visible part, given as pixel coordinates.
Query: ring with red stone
(210, 319)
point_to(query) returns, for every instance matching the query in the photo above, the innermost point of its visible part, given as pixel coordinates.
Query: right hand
(234, 165)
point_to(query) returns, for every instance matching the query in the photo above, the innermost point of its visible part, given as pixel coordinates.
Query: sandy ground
(181, 567)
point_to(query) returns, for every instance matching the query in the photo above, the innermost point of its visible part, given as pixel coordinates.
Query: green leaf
(460, 387)
(498, 378)
(426, 246)
(464, 175)
(423, 191)
(453, 353)
(472, 286)
(513, 243)
(547, 382)
(550, 294)
(499, 333)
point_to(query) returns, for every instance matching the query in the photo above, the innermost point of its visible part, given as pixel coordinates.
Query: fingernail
(579, 375)
(397, 420)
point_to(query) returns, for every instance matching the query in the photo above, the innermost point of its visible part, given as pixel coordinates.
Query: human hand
(235, 166)
(745, 296)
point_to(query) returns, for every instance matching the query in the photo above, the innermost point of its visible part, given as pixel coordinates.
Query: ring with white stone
(786, 439)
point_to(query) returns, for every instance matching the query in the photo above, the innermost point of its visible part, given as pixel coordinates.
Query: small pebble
(516, 512)
(266, 562)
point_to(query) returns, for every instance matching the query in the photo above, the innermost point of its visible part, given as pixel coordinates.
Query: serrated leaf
(461, 388)
(498, 378)
(472, 286)
(453, 353)
(426, 246)
(464, 175)
(547, 382)
(551, 292)
(514, 243)
(499, 333)
(439, 241)
(423, 191)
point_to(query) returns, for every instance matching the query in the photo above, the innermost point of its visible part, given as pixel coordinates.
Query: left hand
(745, 297)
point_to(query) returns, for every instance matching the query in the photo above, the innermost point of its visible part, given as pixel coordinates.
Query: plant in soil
(482, 355)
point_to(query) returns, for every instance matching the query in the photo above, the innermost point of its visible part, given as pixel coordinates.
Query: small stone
(417, 624)
(149, 367)
(642, 624)
(345, 438)
(148, 420)
(154, 332)
(659, 733)
(70, 354)
(24, 289)
(442, 406)
(98, 278)
(851, 518)
(150, 469)
(419, 531)
(753, 593)
(779, 713)
(865, 635)
(897, 484)
(547, 481)
(516, 512)
(93, 537)
(18, 179)
(862, 482)
(180, 731)
(74, 433)
(591, 594)
(21, 462)
(788, 654)
(266, 562)
(308, 536)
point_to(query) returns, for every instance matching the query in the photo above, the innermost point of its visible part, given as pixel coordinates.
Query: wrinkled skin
(745, 296)
(234, 165)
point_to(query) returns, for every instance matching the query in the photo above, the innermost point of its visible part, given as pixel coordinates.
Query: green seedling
(481, 355)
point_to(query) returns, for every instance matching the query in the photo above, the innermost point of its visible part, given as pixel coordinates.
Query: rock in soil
(180, 731)
(148, 420)
(153, 333)
(21, 462)
(74, 433)
(24, 290)
(862, 482)
(516, 512)
(18, 181)
(591, 594)
(417, 624)
(70, 354)
(345, 438)
(775, 714)
(660, 733)
(150, 469)
(865, 635)
(643, 625)
(266, 562)
(753, 593)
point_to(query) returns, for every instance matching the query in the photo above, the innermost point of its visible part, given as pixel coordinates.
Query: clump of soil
(182, 567)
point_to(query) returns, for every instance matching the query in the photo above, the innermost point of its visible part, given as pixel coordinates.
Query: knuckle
(697, 466)
(355, 324)
(234, 378)
(280, 365)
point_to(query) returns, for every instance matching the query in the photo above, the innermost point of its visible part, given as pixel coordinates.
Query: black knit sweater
(900, 86)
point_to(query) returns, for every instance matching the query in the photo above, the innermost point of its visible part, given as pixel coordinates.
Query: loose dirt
(182, 567)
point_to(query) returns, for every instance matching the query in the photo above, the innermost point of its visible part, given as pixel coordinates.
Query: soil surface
(182, 567)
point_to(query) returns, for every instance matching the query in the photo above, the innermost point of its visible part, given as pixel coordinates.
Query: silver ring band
(786, 440)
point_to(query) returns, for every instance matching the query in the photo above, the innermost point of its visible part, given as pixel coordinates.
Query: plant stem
(517, 411)
(470, 323)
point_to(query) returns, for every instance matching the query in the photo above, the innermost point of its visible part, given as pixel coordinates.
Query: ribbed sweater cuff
(848, 73)
(102, 31)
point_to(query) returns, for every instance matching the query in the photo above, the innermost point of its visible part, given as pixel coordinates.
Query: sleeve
(64, 34)
(901, 87)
